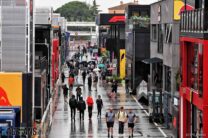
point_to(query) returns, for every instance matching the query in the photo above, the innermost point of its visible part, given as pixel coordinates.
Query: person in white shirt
(121, 116)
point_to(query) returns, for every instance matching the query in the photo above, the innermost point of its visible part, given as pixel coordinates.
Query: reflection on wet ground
(64, 127)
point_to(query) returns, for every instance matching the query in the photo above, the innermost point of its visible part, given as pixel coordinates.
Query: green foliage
(142, 21)
(78, 11)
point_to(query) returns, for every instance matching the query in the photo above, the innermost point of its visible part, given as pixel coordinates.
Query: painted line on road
(148, 115)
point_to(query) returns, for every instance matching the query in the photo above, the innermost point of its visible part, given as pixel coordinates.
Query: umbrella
(96, 69)
(78, 84)
(101, 66)
(84, 62)
(92, 62)
(111, 68)
(93, 58)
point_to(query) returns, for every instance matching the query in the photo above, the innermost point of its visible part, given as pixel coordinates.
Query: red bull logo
(4, 101)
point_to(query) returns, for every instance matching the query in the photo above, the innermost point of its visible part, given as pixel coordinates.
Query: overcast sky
(104, 4)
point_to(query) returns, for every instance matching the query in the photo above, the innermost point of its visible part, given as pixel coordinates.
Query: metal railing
(46, 121)
(194, 21)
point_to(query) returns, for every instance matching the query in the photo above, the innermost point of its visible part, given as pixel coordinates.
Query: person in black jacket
(81, 107)
(62, 77)
(114, 86)
(84, 74)
(99, 103)
(65, 92)
(73, 105)
(89, 82)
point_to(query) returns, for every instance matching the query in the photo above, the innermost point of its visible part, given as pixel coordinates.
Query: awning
(152, 60)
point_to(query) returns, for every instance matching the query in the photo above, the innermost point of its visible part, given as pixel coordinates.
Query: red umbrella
(111, 68)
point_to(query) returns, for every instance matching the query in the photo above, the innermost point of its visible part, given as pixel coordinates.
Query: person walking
(110, 118)
(99, 103)
(84, 74)
(79, 92)
(89, 82)
(81, 106)
(121, 116)
(95, 81)
(114, 87)
(62, 77)
(90, 103)
(131, 121)
(71, 82)
(65, 92)
(73, 106)
(127, 85)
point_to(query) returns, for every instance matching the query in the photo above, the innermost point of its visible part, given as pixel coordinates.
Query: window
(167, 79)
(195, 67)
(168, 33)
(160, 38)
(154, 32)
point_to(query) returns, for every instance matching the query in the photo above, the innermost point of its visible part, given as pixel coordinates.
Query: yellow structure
(122, 63)
(178, 4)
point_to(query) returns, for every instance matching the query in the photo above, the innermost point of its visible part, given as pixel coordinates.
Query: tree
(94, 9)
(78, 11)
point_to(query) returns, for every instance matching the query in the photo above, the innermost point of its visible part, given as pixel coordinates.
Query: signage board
(111, 19)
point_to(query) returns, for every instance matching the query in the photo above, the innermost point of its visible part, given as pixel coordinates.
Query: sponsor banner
(11, 89)
(122, 63)
(110, 19)
(179, 6)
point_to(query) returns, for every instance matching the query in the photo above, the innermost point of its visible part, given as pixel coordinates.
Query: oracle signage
(110, 19)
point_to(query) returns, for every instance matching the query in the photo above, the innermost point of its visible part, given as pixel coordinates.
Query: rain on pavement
(64, 127)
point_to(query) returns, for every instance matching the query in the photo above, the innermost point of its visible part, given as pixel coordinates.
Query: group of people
(78, 103)
(122, 118)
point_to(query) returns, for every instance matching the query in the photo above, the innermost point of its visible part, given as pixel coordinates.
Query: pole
(133, 66)
(32, 52)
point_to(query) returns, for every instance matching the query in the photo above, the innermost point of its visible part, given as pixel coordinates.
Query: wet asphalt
(64, 127)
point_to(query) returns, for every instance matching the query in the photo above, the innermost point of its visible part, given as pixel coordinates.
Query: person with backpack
(110, 118)
(121, 116)
(89, 82)
(81, 106)
(95, 81)
(79, 92)
(90, 103)
(99, 103)
(73, 105)
(131, 121)
(84, 74)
